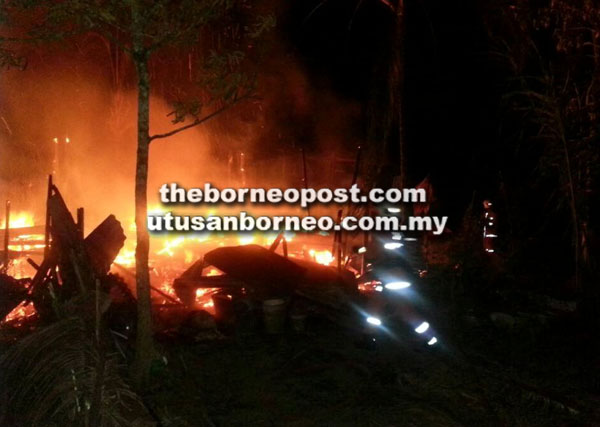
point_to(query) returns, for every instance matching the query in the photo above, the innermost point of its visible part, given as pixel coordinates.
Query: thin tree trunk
(144, 342)
(386, 113)
(398, 70)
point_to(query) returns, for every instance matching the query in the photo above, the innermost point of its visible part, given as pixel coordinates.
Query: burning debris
(70, 264)
(225, 282)
(234, 278)
(14, 293)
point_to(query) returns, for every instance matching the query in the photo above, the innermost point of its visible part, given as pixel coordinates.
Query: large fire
(170, 256)
(24, 242)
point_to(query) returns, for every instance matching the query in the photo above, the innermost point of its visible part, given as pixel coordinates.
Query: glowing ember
(202, 293)
(168, 289)
(20, 313)
(19, 268)
(369, 286)
(204, 298)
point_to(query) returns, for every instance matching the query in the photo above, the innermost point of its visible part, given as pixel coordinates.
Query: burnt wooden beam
(80, 223)
(47, 225)
(276, 242)
(6, 236)
(166, 295)
(104, 243)
(33, 264)
(73, 259)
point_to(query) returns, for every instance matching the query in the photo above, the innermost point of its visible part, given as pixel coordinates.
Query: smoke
(75, 125)
(66, 95)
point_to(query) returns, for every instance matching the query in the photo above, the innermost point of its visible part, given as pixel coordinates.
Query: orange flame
(321, 257)
(20, 220)
(23, 311)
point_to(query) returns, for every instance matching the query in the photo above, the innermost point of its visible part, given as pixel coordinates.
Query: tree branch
(199, 120)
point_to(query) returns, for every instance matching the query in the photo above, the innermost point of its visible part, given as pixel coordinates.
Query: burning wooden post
(47, 229)
(356, 166)
(343, 241)
(339, 249)
(6, 236)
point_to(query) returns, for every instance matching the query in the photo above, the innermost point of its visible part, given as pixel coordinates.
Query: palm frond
(59, 374)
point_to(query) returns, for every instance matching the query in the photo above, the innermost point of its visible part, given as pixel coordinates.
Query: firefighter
(490, 221)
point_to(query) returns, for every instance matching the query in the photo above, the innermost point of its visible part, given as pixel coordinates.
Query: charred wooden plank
(46, 265)
(80, 222)
(69, 247)
(48, 219)
(165, 295)
(104, 243)
(276, 242)
(33, 264)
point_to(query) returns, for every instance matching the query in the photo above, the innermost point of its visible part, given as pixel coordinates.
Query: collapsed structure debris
(72, 264)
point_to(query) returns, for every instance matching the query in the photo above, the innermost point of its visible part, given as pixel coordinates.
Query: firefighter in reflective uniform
(490, 221)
